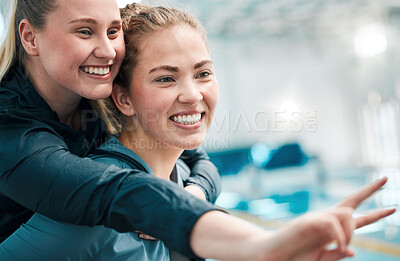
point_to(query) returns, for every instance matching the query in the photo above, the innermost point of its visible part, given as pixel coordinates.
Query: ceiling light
(370, 40)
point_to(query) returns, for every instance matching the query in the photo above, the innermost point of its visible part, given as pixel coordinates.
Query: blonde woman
(57, 55)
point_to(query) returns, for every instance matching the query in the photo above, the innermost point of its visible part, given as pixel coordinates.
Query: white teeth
(96, 70)
(188, 119)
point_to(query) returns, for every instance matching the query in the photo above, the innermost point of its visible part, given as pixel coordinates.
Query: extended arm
(304, 239)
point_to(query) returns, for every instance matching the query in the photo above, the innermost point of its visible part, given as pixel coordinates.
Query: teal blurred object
(287, 205)
(288, 155)
(231, 162)
(298, 201)
(260, 154)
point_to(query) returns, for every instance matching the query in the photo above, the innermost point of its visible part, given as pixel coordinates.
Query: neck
(64, 102)
(161, 159)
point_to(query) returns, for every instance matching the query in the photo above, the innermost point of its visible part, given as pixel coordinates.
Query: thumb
(335, 254)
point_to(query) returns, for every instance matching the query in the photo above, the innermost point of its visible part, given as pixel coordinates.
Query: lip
(188, 126)
(187, 112)
(95, 76)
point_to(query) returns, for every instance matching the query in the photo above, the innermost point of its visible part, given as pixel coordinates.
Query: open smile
(187, 119)
(95, 70)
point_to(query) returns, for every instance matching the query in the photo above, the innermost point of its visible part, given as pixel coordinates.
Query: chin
(99, 94)
(189, 144)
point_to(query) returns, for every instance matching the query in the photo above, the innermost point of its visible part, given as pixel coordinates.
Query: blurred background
(309, 107)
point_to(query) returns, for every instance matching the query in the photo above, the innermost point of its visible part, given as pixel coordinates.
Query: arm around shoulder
(42, 175)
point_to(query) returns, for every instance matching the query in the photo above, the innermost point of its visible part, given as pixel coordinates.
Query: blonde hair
(137, 22)
(11, 50)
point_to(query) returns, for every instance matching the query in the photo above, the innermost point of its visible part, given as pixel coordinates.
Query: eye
(165, 79)
(85, 32)
(113, 33)
(203, 74)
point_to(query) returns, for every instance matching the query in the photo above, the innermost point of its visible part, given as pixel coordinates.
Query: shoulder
(112, 151)
(109, 160)
(104, 153)
(19, 100)
(16, 91)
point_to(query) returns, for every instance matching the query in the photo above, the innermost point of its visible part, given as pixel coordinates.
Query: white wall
(5, 14)
(320, 73)
(325, 77)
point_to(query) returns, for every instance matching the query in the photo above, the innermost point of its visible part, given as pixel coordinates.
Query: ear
(122, 100)
(27, 33)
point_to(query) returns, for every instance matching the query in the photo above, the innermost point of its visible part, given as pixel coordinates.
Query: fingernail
(386, 182)
(384, 177)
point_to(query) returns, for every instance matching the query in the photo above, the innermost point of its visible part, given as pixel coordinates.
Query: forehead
(173, 43)
(101, 10)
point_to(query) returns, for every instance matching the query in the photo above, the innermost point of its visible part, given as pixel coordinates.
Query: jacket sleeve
(203, 173)
(38, 172)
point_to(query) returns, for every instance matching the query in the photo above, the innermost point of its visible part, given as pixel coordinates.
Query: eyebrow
(92, 21)
(164, 67)
(202, 63)
(176, 69)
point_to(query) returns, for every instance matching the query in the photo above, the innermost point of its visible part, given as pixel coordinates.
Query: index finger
(355, 200)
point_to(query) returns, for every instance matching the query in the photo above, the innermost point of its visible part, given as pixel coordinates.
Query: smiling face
(80, 49)
(174, 91)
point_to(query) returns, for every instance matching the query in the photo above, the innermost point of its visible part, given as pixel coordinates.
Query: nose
(190, 93)
(105, 49)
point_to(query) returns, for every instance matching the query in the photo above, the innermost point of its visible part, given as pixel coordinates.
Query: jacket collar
(20, 100)
(114, 148)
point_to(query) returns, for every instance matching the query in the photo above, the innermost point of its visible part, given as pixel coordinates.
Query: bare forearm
(225, 237)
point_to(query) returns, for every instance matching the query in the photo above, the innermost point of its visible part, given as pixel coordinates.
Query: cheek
(66, 48)
(147, 108)
(62, 56)
(152, 104)
(119, 48)
(212, 95)
(160, 101)
(215, 98)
